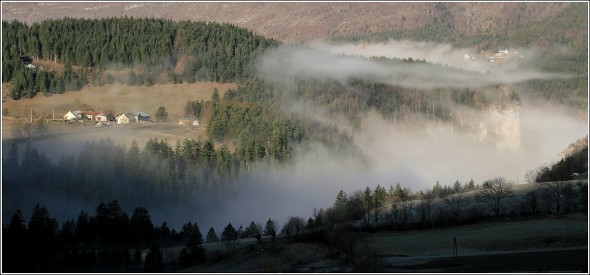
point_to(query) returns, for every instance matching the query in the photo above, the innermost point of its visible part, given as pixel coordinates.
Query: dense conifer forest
(218, 52)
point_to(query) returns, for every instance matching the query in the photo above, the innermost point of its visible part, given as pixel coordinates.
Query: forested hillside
(152, 49)
(560, 39)
(159, 173)
(308, 21)
(215, 52)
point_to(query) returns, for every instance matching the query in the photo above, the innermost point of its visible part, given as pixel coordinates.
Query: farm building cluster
(499, 57)
(106, 118)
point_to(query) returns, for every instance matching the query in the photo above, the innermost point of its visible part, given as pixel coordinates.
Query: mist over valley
(330, 138)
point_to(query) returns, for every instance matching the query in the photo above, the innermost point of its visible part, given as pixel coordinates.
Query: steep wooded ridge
(299, 22)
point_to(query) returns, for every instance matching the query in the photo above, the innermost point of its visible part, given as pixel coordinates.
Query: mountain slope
(301, 22)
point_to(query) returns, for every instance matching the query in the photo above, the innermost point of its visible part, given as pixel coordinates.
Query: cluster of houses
(492, 57)
(104, 118)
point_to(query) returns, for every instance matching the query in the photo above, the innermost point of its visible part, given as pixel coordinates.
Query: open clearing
(112, 98)
(115, 98)
(69, 139)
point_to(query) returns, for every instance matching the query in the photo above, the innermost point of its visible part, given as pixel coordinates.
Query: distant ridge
(303, 22)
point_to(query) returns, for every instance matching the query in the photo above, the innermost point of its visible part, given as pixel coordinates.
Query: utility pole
(53, 113)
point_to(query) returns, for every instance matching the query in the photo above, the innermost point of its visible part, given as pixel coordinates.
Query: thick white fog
(415, 159)
(321, 61)
(416, 156)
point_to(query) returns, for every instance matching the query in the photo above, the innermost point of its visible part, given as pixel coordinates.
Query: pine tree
(11, 163)
(15, 244)
(140, 226)
(162, 114)
(215, 97)
(229, 235)
(270, 229)
(211, 236)
(193, 252)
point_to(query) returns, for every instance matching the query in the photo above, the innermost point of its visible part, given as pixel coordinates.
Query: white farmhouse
(101, 117)
(125, 119)
(72, 115)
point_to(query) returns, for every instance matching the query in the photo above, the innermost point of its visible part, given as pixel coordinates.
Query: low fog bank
(341, 62)
(434, 152)
(436, 53)
(416, 159)
(414, 156)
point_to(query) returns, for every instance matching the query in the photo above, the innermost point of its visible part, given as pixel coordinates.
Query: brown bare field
(113, 98)
(118, 99)
(69, 139)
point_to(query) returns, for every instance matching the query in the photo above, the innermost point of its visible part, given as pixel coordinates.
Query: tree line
(111, 241)
(399, 209)
(555, 191)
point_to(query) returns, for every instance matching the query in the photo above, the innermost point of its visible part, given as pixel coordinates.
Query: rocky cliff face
(500, 124)
(495, 121)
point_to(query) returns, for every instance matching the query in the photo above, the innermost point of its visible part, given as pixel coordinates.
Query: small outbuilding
(101, 117)
(141, 116)
(184, 121)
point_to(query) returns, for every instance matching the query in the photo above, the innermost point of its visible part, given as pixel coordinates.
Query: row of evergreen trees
(109, 241)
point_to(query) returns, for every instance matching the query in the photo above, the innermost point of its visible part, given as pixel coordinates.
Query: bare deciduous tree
(355, 208)
(494, 192)
(554, 191)
(293, 226)
(583, 193)
(368, 205)
(454, 198)
(531, 175)
(532, 201)
(425, 207)
(406, 210)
